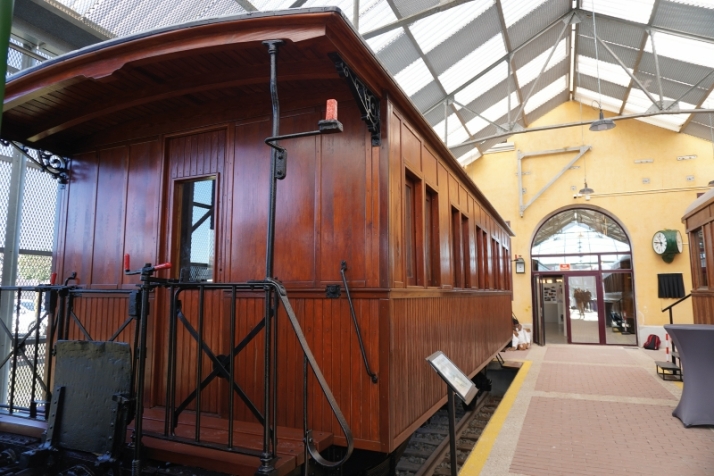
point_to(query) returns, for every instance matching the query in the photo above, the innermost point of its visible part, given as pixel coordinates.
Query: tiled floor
(592, 410)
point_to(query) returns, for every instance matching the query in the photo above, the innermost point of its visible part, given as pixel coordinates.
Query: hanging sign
(565, 267)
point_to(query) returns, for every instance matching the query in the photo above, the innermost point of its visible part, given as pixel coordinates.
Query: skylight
(514, 10)
(683, 49)
(608, 72)
(378, 43)
(373, 14)
(493, 114)
(473, 63)
(591, 99)
(696, 3)
(483, 84)
(631, 10)
(457, 133)
(414, 77)
(546, 94)
(532, 69)
(433, 30)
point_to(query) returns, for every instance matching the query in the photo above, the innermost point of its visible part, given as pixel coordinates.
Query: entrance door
(538, 323)
(584, 310)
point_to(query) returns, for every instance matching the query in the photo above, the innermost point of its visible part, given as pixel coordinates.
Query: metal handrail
(671, 321)
(372, 375)
(669, 308)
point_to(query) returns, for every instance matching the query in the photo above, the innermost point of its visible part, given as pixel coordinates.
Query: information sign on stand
(457, 383)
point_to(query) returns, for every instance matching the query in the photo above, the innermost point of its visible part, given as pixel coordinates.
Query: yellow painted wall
(643, 209)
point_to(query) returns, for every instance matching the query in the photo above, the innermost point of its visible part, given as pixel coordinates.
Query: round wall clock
(667, 243)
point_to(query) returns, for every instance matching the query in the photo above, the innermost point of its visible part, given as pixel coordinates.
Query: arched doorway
(583, 280)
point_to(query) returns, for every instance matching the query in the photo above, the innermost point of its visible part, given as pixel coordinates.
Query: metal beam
(429, 66)
(498, 61)
(246, 5)
(542, 70)
(582, 150)
(565, 125)
(298, 4)
(413, 18)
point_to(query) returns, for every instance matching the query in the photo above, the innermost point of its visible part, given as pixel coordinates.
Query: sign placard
(453, 376)
(565, 267)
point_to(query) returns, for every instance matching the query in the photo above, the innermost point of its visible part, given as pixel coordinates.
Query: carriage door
(584, 309)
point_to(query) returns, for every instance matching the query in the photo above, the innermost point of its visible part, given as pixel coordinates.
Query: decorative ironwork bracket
(366, 100)
(49, 162)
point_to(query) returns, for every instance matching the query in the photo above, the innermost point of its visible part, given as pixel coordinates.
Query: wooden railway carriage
(699, 223)
(166, 129)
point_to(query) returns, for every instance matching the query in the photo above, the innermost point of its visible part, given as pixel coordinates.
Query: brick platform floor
(593, 410)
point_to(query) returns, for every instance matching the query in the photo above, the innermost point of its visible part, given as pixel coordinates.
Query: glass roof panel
(482, 84)
(632, 10)
(454, 126)
(532, 69)
(608, 71)
(79, 6)
(433, 30)
(637, 102)
(696, 3)
(514, 10)
(378, 43)
(591, 98)
(458, 135)
(709, 102)
(373, 14)
(263, 5)
(469, 157)
(546, 94)
(493, 113)
(683, 49)
(414, 77)
(473, 63)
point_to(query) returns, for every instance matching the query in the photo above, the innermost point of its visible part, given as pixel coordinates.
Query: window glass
(197, 228)
(702, 261)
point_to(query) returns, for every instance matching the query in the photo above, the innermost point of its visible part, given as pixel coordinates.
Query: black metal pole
(267, 458)
(141, 352)
(452, 430)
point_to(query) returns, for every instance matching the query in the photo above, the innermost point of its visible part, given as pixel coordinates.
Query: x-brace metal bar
(582, 150)
(19, 349)
(218, 368)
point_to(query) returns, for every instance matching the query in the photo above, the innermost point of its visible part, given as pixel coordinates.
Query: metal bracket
(366, 100)
(49, 162)
(581, 151)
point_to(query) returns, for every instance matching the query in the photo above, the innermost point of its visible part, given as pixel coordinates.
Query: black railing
(671, 321)
(224, 365)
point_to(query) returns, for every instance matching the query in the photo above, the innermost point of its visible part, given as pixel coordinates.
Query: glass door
(584, 311)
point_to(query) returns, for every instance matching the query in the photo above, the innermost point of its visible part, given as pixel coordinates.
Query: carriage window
(495, 265)
(196, 222)
(456, 256)
(410, 229)
(702, 258)
(466, 251)
(431, 238)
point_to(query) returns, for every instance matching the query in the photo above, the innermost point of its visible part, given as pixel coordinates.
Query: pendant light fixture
(586, 191)
(601, 124)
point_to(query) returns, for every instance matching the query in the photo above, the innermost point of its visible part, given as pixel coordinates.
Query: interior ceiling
(483, 68)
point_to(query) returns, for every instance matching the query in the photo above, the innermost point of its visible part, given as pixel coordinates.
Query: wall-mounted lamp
(520, 265)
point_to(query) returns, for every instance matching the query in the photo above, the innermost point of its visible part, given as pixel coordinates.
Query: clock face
(679, 242)
(659, 243)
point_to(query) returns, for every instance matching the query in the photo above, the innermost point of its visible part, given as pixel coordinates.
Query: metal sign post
(456, 383)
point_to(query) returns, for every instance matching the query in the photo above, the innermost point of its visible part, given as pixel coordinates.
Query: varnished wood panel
(469, 329)
(101, 316)
(141, 234)
(108, 246)
(396, 181)
(79, 228)
(703, 304)
(344, 199)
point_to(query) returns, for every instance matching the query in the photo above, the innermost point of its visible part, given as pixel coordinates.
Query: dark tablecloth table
(695, 344)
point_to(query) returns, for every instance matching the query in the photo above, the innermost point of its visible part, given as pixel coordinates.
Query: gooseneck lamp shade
(602, 124)
(586, 190)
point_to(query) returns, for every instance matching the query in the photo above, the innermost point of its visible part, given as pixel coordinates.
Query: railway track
(427, 452)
